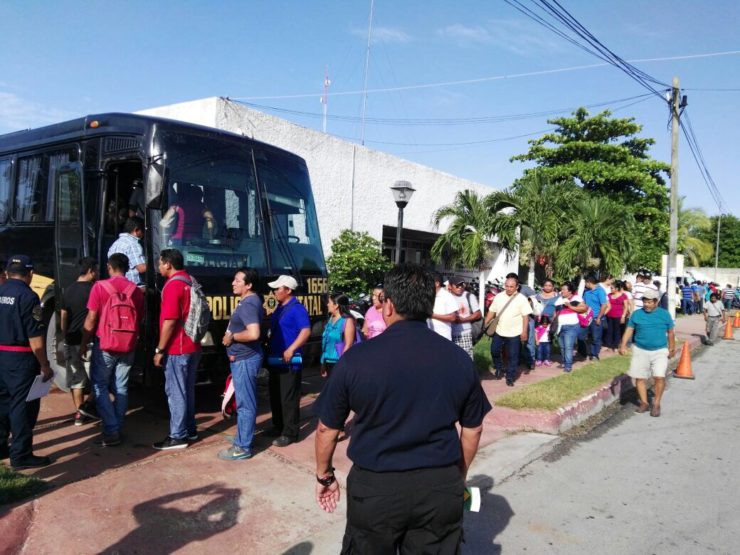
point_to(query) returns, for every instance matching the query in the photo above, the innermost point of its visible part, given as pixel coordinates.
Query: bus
(224, 200)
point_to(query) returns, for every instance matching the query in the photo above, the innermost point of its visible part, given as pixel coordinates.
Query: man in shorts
(654, 344)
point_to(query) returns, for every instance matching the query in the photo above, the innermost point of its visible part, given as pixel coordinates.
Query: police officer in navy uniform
(22, 356)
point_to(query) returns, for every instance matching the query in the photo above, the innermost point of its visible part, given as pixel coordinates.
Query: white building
(350, 182)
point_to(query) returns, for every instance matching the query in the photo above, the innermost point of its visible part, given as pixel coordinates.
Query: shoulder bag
(490, 328)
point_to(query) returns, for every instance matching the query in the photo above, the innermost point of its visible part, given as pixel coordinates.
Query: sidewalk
(133, 499)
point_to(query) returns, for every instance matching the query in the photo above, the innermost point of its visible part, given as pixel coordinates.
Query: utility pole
(673, 241)
(367, 69)
(716, 248)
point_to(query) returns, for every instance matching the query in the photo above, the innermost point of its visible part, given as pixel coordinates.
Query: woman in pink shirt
(374, 324)
(617, 315)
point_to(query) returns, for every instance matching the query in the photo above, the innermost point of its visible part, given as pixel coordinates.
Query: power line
(698, 156)
(451, 121)
(482, 79)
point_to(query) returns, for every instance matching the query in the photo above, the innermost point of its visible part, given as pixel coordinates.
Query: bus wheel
(55, 353)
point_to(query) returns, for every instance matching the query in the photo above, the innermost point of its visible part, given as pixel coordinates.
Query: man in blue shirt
(290, 328)
(22, 357)
(596, 299)
(655, 343)
(409, 388)
(128, 244)
(687, 299)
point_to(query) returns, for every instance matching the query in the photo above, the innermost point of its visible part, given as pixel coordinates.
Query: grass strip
(15, 486)
(556, 392)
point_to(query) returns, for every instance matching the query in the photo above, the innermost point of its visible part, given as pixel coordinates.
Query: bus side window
(29, 195)
(6, 167)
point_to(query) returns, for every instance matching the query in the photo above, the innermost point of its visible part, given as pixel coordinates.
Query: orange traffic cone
(684, 364)
(729, 334)
(736, 324)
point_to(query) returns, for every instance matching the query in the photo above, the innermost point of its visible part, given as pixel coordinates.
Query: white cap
(284, 281)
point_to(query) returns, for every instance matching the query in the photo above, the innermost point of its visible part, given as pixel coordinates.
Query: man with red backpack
(115, 308)
(177, 351)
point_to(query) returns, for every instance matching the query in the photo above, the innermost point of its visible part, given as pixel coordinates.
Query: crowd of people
(368, 367)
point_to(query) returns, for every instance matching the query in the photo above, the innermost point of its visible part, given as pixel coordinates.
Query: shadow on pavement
(163, 522)
(482, 528)
(303, 548)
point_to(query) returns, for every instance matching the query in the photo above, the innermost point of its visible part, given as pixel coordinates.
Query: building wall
(350, 182)
(723, 275)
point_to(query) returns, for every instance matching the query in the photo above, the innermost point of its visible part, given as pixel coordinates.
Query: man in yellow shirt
(512, 310)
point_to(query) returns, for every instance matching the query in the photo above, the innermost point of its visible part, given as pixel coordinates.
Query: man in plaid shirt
(128, 244)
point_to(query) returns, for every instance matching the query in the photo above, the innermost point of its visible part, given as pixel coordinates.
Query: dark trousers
(17, 418)
(512, 350)
(416, 511)
(613, 336)
(285, 400)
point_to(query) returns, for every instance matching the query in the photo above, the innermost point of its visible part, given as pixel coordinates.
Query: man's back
(408, 388)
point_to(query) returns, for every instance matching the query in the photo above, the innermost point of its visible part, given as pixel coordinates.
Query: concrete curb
(575, 413)
(14, 526)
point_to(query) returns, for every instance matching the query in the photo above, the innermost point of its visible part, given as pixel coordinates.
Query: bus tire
(55, 353)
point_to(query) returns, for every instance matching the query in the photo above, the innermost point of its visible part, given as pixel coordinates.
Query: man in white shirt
(512, 328)
(467, 312)
(643, 283)
(445, 310)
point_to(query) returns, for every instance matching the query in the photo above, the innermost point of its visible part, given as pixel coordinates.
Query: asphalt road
(635, 484)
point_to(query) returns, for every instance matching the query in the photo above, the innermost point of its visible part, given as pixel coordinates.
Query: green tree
(605, 157)
(466, 243)
(693, 223)
(356, 263)
(729, 240)
(599, 234)
(530, 215)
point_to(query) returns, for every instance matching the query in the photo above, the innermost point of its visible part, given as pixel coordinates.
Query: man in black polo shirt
(408, 388)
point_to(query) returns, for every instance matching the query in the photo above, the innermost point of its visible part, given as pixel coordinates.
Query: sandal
(642, 408)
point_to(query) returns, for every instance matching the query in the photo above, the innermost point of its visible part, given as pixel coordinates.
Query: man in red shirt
(109, 370)
(177, 352)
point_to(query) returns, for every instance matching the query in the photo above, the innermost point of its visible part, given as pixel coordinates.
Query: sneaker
(79, 419)
(547, 363)
(88, 410)
(31, 462)
(538, 363)
(170, 443)
(193, 436)
(110, 440)
(234, 453)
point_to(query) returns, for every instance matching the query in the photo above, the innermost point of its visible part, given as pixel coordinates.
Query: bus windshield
(212, 213)
(292, 226)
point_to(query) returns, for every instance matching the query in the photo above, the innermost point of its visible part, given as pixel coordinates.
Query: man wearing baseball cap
(290, 328)
(655, 343)
(22, 356)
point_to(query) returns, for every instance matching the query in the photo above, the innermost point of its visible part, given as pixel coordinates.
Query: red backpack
(118, 327)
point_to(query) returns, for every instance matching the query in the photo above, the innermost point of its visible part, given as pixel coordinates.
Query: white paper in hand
(39, 388)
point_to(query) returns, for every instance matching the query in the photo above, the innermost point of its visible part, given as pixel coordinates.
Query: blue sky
(434, 65)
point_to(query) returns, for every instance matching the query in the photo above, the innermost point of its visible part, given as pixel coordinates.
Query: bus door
(69, 228)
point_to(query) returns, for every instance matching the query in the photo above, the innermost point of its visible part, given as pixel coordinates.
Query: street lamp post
(402, 191)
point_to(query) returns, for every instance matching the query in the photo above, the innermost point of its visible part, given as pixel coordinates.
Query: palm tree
(597, 236)
(529, 215)
(691, 223)
(466, 242)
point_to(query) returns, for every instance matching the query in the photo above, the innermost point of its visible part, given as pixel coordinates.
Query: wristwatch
(158, 351)
(329, 480)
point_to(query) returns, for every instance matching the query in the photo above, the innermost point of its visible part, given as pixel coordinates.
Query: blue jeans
(179, 385)
(512, 349)
(530, 349)
(109, 373)
(567, 339)
(244, 377)
(543, 351)
(595, 331)
(687, 306)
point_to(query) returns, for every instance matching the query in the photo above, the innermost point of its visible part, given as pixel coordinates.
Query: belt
(16, 348)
